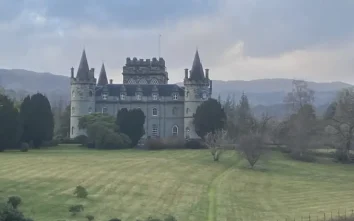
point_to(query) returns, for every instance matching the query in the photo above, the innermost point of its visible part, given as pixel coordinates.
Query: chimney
(72, 72)
(186, 73)
(110, 81)
(207, 73)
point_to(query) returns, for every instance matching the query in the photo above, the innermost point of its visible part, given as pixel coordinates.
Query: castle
(168, 108)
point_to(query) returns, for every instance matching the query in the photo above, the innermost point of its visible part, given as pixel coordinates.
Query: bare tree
(252, 145)
(216, 143)
(299, 96)
(342, 123)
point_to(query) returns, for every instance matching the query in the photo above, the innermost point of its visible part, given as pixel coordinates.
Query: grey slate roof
(83, 70)
(146, 89)
(102, 79)
(197, 72)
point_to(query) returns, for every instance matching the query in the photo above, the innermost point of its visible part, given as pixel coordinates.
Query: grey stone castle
(168, 108)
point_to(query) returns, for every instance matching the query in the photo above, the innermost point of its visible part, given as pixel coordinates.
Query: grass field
(131, 184)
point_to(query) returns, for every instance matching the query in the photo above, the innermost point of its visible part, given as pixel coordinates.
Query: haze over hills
(263, 94)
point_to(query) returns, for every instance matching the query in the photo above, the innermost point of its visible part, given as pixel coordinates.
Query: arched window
(90, 110)
(154, 81)
(72, 130)
(90, 93)
(142, 81)
(174, 110)
(154, 130)
(72, 110)
(154, 111)
(187, 110)
(175, 130)
(73, 93)
(131, 81)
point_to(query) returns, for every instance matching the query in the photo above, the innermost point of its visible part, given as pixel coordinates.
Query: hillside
(264, 94)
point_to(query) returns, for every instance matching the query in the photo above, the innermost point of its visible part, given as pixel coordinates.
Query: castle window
(73, 93)
(90, 93)
(122, 96)
(104, 96)
(72, 130)
(104, 110)
(204, 96)
(138, 97)
(72, 110)
(154, 112)
(154, 130)
(174, 110)
(187, 93)
(154, 97)
(90, 110)
(187, 110)
(175, 97)
(175, 130)
(154, 81)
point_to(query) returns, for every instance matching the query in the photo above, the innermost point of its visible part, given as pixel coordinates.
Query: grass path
(133, 185)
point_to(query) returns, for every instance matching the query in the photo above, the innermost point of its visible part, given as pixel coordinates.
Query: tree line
(232, 124)
(31, 124)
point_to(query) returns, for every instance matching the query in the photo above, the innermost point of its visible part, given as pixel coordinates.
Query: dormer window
(138, 97)
(174, 96)
(155, 97)
(122, 96)
(104, 96)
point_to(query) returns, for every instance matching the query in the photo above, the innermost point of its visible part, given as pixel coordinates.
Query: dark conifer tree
(131, 123)
(10, 124)
(25, 118)
(209, 117)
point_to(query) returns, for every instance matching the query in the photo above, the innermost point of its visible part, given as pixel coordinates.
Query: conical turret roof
(197, 72)
(102, 79)
(83, 70)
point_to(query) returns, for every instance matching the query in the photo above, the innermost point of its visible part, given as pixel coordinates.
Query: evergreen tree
(131, 123)
(10, 124)
(244, 118)
(37, 119)
(209, 117)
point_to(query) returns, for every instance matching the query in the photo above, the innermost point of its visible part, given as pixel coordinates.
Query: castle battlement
(154, 62)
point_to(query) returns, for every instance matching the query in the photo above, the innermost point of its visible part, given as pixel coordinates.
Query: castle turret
(82, 95)
(102, 79)
(196, 92)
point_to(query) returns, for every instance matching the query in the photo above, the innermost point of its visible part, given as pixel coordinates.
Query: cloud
(237, 39)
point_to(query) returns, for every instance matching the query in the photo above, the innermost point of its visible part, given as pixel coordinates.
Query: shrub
(154, 144)
(24, 147)
(75, 209)
(343, 157)
(9, 213)
(195, 144)
(90, 217)
(14, 201)
(81, 139)
(80, 192)
(115, 219)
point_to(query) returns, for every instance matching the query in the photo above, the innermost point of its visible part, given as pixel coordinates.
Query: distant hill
(263, 94)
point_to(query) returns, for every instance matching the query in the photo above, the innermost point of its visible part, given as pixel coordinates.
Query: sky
(237, 39)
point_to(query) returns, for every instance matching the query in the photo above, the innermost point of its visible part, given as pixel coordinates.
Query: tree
(37, 119)
(302, 128)
(131, 123)
(209, 117)
(64, 128)
(104, 119)
(230, 108)
(10, 131)
(342, 123)
(216, 142)
(299, 96)
(252, 146)
(244, 117)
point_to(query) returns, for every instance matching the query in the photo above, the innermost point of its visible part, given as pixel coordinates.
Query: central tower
(198, 88)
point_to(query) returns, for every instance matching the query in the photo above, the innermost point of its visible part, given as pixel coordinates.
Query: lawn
(131, 184)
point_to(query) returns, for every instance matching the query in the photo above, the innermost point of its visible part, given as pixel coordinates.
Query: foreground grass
(132, 184)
